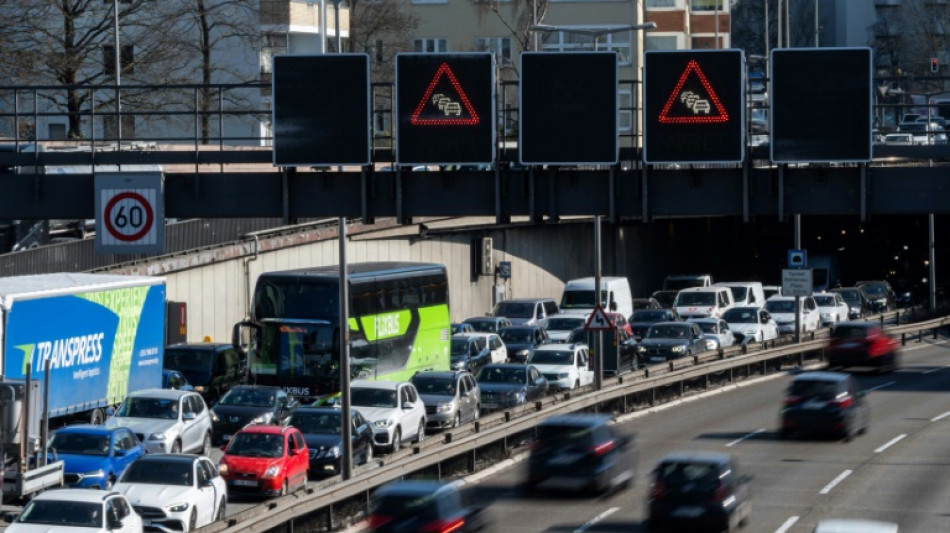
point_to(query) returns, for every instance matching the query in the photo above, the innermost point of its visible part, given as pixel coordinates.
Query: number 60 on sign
(129, 212)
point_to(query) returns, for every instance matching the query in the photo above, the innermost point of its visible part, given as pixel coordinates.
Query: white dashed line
(596, 519)
(835, 482)
(940, 417)
(888, 384)
(787, 525)
(749, 436)
(935, 369)
(890, 443)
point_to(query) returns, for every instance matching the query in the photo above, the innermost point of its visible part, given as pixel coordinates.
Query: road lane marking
(935, 369)
(940, 417)
(787, 525)
(890, 443)
(888, 384)
(749, 436)
(835, 482)
(596, 519)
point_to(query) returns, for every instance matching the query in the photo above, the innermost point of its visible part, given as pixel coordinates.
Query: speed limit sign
(130, 215)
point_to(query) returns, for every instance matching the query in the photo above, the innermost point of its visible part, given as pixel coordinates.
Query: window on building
(625, 114)
(660, 42)
(499, 46)
(127, 59)
(708, 5)
(660, 3)
(578, 41)
(377, 51)
(430, 46)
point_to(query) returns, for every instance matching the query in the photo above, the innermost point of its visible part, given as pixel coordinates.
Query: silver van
(745, 293)
(526, 311)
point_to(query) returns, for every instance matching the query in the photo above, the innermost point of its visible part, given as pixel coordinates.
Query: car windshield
(249, 398)
(460, 347)
(327, 423)
(708, 327)
(80, 444)
(165, 408)
(417, 505)
(256, 445)
(368, 397)
(195, 364)
(695, 298)
(668, 331)
(849, 332)
(739, 293)
(823, 300)
(62, 513)
(875, 290)
(740, 316)
(175, 472)
(562, 324)
(814, 388)
(488, 326)
(517, 336)
(438, 386)
(497, 374)
(780, 306)
(852, 296)
(647, 316)
(686, 477)
(565, 436)
(552, 357)
(513, 310)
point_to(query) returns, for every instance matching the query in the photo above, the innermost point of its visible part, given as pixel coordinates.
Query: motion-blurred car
(250, 404)
(522, 340)
(414, 506)
(266, 460)
(699, 491)
(451, 398)
(510, 385)
(323, 432)
(751, 324)
(488, 324)
(581, 452)
(94, 456)
(862, 344)
(717, 332)
(853, 525)
(76, 510)
(857, 300)
(559, 327)
(782, 309)
(670, 340)
(565, 366)
(824, 402)
(831, 308)
(641, 320)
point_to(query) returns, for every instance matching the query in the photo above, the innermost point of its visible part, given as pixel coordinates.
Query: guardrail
(493, 435)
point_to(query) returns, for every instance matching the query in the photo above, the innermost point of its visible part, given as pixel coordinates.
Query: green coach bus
(399, 325)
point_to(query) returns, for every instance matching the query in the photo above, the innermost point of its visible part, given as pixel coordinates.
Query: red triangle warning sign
(444, 102)
(697, 104)
(598, 320)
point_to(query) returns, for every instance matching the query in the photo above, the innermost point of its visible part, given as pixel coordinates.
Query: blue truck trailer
(99, 336)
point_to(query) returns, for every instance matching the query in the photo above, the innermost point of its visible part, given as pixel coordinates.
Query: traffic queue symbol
(444, 102)
(598, 320)
(696, 104)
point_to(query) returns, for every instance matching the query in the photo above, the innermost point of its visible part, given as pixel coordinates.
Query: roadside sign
(797, 259)
(797, 282)
(598, 320)
(445, 108)
(504, 269)
(694, 106)
(130, 212)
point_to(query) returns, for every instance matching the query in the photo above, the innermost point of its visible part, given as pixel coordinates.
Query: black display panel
(821, 101)
(694, 106)
(445, 109)
(321, 110)
(568, 110)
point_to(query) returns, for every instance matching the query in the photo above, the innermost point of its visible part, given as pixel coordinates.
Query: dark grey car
(670, 340)
(522, 340)
(510, 385)
(451, 398)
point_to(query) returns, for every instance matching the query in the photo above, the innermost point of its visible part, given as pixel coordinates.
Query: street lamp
(595, 33)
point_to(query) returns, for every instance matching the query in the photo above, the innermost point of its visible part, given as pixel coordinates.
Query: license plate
(244, 482)
(688, 511)
(813, 404)
(658, 359)
(563, 459)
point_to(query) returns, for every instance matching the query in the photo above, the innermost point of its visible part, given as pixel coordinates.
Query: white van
(703, 302)
(615, 295)
(746, 293)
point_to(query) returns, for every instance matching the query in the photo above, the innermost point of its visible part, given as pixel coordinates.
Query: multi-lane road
(899, 471)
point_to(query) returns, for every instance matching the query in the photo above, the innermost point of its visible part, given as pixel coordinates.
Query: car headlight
(334, 451)
(95, 473)
(177, 507)
(711, 344)
(271, 472)
(223, 468)
(214, 417)
(156, 436)
(678, 349)
(263, 419)
(444, 408)
(641, 348)
(563, 375)
(383, 423)
(523, 353)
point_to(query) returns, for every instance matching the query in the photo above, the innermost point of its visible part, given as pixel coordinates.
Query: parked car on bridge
(250, 404)
(717, 331)
(880, 294)
(94, 456)
(212, 368)
(323, 432)
(166, 420)
(266, 460)
(565, 366)
(510, 385)
(451, 398)
(78, 511)
(559, 327)
(462, 327)
(490, 324)
(520, 341)
(832, 308)
(497, 349)
(645, 303)
(782, 309)
(469, 352)
(665, 341)
(751, 324)
(395, 410)
(641, 320)
(857, 300)
(527, 311)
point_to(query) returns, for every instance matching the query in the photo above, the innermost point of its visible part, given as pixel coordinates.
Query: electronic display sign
(821, 101)
(321, 110)
(694, 106)
(445, 109)
(568, 110)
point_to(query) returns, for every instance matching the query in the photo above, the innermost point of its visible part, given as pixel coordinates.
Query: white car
(499, 352)
(560, 326)
(166, 420)
(79, 510)
(394, 409)
(174, 492)
(717, 332)
(782, 309)
(751, 324)
(832, 308)
(564, 366)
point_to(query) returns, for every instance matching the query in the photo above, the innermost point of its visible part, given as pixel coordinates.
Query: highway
(896, 472)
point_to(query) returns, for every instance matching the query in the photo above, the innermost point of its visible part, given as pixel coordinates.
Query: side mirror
(110, 411)
(207, 482)
(407, 406)
(188, 416)
(119, 453)
(10, 517)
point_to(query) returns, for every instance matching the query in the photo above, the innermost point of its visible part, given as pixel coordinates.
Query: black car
(665, 298)
(641, 320)
(250, 404)
(324, 436)
(671, 340)
(468, 352)
(857, 300)
(522, 340)
(698, 491)
(413, 506)
(580, 452)
(824, 402)
(880, 295)
(211, 367)
(510, 385)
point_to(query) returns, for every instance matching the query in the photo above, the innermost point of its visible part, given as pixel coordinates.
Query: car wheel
(421, 435)
(458, 420)
(193, 521)
(368, 454)
(176, 448)
(222, 510)
(206, 445)
(397, 440)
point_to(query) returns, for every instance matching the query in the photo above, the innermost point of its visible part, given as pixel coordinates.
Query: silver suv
(451, 398)
(166, 420)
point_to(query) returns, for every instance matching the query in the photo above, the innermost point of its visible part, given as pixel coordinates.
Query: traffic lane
(786, 472)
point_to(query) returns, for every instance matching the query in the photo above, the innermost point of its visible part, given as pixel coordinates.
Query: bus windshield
(297, 349)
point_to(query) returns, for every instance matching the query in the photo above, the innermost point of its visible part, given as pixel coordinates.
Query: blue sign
(504, 269)
(797, 259)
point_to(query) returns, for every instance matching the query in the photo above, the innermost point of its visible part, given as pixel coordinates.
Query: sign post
(797, 282)
(130, 212)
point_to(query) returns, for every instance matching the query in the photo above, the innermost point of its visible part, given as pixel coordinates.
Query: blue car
(173, 379)
(94, 456)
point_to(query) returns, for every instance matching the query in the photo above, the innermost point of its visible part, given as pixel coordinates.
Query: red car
(265, 460)
(862, 344)
(621, 322)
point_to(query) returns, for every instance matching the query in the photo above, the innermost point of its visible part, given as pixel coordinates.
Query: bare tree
(905, 43)
(381, 28)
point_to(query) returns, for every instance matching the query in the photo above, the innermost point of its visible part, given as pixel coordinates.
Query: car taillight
(877, 347)
(604, 448)
(378, 520)
(658, 490)
(722, 492)
(792, 400)
(843, 402)
(443, 526)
